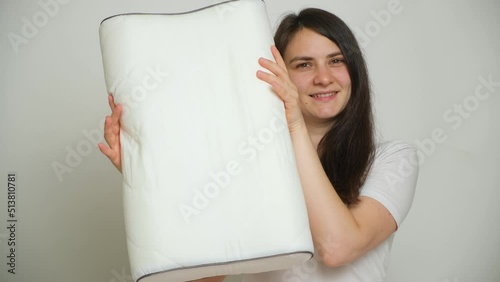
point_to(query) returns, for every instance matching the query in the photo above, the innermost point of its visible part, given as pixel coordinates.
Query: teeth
(322, 95)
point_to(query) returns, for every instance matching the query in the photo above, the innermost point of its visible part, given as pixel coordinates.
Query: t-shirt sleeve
(393, 178)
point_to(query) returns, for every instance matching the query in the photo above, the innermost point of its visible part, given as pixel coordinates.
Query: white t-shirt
(391, 181)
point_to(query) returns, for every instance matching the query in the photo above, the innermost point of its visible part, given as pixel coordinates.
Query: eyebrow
(306, 58)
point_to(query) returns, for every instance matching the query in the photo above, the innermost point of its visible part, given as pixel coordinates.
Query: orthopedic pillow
(209, 177)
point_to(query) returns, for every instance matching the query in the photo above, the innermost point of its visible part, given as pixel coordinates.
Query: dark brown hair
(347, 149)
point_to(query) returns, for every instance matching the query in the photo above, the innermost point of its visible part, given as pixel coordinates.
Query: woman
(357, 193)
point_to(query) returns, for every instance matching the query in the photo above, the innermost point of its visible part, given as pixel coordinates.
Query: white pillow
(209, 178)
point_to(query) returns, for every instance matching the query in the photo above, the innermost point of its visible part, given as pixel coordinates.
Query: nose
(323, 76)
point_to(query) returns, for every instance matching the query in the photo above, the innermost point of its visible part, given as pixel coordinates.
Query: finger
(104, 149)
(113, 156)
(116, 114)
(272, 67)
(108, 152)
(270, 78)
(109, 134)
(111, 102)
(276, 85)
(277, 57)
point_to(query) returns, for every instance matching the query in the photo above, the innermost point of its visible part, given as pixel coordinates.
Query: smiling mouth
(323, 95)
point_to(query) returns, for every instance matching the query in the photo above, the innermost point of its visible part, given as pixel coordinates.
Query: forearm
(333, 227)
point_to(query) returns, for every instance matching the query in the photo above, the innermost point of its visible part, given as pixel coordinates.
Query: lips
(324, 96)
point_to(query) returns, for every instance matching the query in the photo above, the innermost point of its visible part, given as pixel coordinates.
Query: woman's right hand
(112, 135)
(280, 81)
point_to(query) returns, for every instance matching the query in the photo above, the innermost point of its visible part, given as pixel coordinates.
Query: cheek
(343, 78)
(300, 82)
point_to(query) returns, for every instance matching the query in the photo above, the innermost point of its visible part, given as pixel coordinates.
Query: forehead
(307, 42)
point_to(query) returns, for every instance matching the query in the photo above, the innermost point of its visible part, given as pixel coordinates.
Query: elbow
(332, 260)
(335, 255)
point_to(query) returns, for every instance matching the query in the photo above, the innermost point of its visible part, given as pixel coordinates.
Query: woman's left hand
(112, 134)
(284, 87)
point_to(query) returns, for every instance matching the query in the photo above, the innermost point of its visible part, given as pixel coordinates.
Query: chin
(327, 115)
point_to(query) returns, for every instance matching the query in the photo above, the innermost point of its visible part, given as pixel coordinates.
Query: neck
(317, 130)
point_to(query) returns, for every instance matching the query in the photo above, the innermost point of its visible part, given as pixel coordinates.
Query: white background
(425, 61)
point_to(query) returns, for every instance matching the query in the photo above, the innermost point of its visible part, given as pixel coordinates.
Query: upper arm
(386, 196)
(375, 223)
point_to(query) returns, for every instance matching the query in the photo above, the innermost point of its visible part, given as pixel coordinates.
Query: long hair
(346, 151)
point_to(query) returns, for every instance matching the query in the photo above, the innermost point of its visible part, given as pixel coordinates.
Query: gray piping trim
(181, 13)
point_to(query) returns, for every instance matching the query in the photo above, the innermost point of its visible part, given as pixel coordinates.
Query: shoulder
(396, 149)
(397, 159)
(393, 177)
(395, 155)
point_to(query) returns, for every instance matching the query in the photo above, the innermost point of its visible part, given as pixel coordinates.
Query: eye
(302, 65)
(338, 61)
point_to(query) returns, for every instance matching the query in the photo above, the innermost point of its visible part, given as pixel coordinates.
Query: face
(317, 67)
